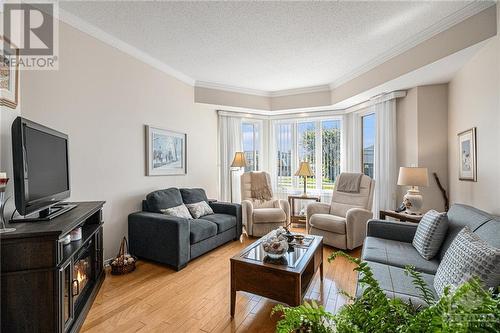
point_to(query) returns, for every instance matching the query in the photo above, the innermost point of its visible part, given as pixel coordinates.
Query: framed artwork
(165, 152)
(9, 77)
(467, 155)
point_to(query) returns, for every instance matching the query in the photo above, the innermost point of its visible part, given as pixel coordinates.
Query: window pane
(250, 133)
(306, 141)
(368, 144)
(330, 134)
(284, 141)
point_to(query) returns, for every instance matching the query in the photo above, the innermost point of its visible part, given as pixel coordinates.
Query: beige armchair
(261, 216)
(343, 222)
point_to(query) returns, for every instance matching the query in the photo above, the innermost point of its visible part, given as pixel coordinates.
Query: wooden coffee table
(285, 282)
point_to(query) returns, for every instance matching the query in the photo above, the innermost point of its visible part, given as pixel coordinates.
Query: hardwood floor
(196, 299)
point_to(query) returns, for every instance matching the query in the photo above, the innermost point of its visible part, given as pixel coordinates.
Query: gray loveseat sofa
(175, 241)
(388, 249)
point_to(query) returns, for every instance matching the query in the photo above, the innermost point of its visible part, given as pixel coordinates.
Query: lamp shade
(412, 176)
(239, 160)
(304, 170)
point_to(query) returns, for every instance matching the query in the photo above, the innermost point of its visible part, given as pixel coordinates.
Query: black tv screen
(41, 176)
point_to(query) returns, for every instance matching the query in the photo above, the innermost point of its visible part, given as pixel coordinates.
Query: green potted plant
(469, 308)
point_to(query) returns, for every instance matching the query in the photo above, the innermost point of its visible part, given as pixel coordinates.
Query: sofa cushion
(328, 222)
(201, 230)
(178, 211)
(396, 284)
(224, 221)
(267, 215)
(468, 256)
(398, 254)
(193, 195)
(199, 209)
(163, 199)
(460, 216)
(490, 232)
(430, 234)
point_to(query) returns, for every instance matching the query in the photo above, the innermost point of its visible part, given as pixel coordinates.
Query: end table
(402, 216)
(299, 219)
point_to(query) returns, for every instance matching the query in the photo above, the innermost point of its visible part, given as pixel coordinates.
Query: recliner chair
(260, 217)
(342, 223)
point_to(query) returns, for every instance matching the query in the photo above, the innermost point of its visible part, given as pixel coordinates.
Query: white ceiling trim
(277, 93)
(117, 43)
(453, 19)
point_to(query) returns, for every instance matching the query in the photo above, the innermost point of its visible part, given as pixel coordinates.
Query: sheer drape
(351, 142)
(385, 161)
(229, 144)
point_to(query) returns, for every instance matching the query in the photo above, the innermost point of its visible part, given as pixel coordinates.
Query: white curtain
(385, 159)
(351, 142)
(229, 144)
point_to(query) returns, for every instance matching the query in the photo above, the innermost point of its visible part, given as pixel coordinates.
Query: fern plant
(469, 308)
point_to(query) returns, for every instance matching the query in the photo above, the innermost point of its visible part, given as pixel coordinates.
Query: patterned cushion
(430, 234)
(468, 256)
(199, 209)
(177, 211)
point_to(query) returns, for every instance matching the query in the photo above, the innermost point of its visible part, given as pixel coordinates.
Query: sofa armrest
(283, 204)
(159, 237)
(230, 209)
(393, 230)
(316, 208)
(356, 220)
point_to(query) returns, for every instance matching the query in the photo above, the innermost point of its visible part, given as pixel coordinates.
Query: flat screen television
(41, 168)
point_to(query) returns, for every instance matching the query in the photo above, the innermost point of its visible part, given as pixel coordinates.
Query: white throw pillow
(199, 209)
(468, 256)
(430, 234)
(177, 211)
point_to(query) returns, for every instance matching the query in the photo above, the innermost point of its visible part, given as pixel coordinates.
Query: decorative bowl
(299, 238)
(275, 245)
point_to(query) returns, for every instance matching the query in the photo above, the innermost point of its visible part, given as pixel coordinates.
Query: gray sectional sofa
(388, 249)
(175, 241)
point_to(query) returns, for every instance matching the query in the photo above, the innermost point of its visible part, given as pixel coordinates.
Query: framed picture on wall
(165, 152)
(467, 168)
(9, 77)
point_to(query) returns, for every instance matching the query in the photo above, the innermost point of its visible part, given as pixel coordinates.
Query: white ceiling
(270, 46)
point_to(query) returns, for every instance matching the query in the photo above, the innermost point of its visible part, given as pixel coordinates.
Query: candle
(3, 175)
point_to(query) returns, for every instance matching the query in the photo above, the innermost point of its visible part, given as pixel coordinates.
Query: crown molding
(248, 91)
(446, 23)
(119, 44)
(229, 88)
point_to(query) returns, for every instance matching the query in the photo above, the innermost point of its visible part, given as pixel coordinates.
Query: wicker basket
(124, 262)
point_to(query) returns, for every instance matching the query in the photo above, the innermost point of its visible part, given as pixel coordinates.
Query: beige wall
(422, 138)
(102, 98)
(474, 102)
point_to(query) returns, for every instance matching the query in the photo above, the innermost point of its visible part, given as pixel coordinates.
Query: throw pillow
(177, 211)
(468, 256)
(430, 234)
(199, 209)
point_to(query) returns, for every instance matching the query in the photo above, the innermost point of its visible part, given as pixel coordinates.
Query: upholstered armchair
(260, 216)
(342, 223)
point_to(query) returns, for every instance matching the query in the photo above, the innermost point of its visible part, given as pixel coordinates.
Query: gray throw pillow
(199, 209)
(177, 211)
(430, 234)
(468, 256)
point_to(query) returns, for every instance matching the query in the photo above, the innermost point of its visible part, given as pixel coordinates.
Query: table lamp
(304, 171)
(239, 161)
(413, 176)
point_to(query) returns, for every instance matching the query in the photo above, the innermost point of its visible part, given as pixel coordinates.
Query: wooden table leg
(321, 270)
(233, 301)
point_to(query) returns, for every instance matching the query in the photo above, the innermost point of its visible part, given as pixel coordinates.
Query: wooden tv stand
(39, 287)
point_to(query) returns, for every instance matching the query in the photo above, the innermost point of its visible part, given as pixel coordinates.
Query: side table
(299, 219)
(402, 216)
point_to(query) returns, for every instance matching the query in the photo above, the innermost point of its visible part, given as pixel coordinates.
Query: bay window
(368, 141)
(314, 141)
